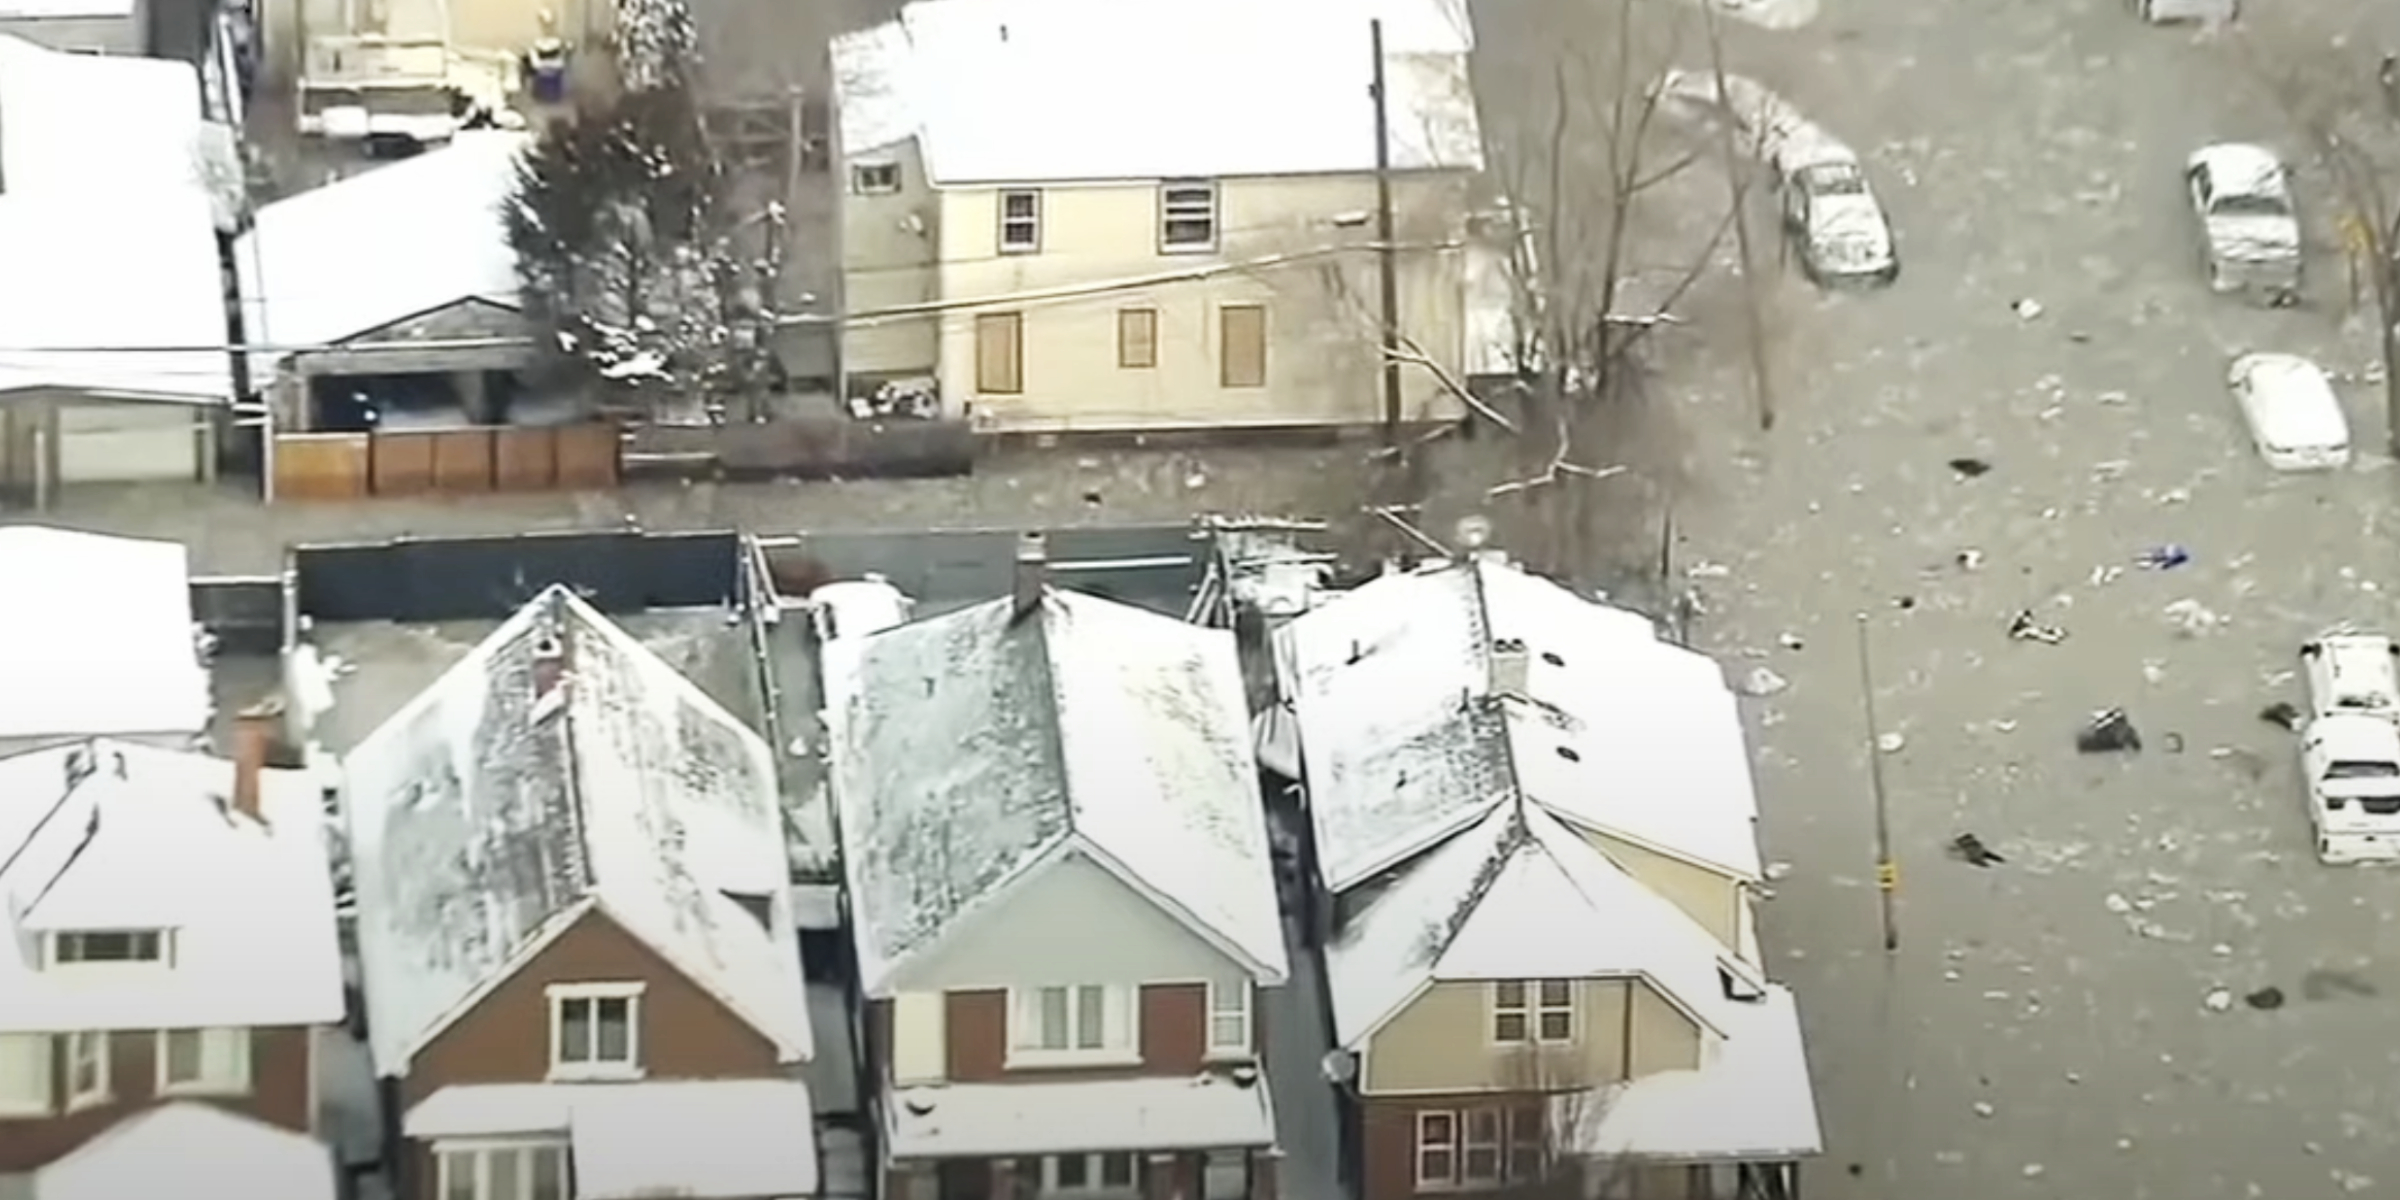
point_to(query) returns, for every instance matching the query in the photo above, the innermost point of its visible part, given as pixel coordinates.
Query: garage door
(125, 443)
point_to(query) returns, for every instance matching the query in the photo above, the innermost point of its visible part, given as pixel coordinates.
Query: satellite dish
(1474, 531)
(1339, 1066)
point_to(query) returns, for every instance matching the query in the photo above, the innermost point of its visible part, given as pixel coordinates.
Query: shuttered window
(1242, 349)
(1000, 354)
(1137, 338)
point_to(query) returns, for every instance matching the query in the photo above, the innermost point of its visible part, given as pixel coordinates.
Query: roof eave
(1270, 973)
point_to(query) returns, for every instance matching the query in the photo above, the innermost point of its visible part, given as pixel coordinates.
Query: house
(97, 639)
(116, 368)
(581, 969)
(79, 26)
(1060, 899)
(1534, 831)
(170, 965)
(1058, 221)
(329, 306)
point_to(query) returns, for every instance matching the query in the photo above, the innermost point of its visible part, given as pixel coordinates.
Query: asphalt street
(2045, 1028)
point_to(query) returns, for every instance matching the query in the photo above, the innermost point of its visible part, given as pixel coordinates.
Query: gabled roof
(971, 750)
(1006, 91)
(192, 1141)
(491, 812)
(1406, 738)
(119, 836)
(381, 246)
(96, 636)
(1518, 896)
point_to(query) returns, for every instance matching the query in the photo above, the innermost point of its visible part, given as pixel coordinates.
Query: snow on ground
(2045, 1029)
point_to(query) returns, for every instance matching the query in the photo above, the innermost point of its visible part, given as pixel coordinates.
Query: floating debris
(1890, 743)
(2163, 558)
(1971, 468)
(2283, 714)
(2191, 618)
(2218, 1000)
(1764, 682)
(2026, 309)
(2025, 627)
(2110, 731)
(1969, 849)
(2266, 999)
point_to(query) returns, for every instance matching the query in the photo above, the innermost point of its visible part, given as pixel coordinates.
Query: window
(1526, 1152)
(1243, 352)
(1077, 1023)
(521, 1171)
(595, 1029)
(1229, 1020)
(1479, 1162)
(1137, 338)
(25, 1075)
(1020, 222)
(1437, 1149)
(208, 1061)
(1187, 216)
(87, 1069)
(1088, 1174)
(999, 354)
(108, 946)
(875, 178)
(1533, 1012)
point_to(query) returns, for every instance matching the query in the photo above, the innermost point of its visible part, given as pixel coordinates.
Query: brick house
(171, 958)
(1060, 899)
(581, 970)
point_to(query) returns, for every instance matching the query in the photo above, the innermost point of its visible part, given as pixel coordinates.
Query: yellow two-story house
(1063, 216)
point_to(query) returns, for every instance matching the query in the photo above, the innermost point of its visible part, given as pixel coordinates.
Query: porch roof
(1201, 1112)
(733, 1138)
(1750, 1101)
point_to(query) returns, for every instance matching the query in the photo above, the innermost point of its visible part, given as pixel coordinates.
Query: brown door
(999, 354)
(1242, 330)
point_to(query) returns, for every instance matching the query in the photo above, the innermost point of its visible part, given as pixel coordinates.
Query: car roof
(2293, 401)
(2357, 733)
(2240, 167)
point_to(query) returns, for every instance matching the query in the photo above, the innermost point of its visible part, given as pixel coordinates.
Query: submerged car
(1833, 218)
(2294, 418)
(2352, 764)
(2250, 231)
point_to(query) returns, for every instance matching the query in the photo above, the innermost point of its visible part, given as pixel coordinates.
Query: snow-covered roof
(97, 125)
(381, 246)
(43, 10)
(1518, 896)
(96, 635)
(972, 749)
(115, 301)
(733, 1138)
(191, 1141)
(1406, 738)
(1009, 91)
(1749, 1100)
(488, 815)
(1081, 1115)
(111, 835)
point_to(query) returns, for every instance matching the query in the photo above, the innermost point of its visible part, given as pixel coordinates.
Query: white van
(2352, 764)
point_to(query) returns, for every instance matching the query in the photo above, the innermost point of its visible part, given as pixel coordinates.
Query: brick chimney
(1509, 667)
(1032, 574)
(254, 733)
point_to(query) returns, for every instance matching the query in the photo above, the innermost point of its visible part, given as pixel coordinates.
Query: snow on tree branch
(657, 45)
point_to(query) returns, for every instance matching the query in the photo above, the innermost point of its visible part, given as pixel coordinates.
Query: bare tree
(2341, 92)
(1545, 1153)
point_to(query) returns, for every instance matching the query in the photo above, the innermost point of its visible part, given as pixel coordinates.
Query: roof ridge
(1512, 837)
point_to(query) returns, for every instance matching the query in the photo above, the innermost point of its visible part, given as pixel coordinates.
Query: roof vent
(917, 1103)
(1032, 574)
(1508, 667)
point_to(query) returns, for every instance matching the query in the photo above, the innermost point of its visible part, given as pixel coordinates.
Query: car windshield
(2251, 206)
(1841, 180)
(2355, 769)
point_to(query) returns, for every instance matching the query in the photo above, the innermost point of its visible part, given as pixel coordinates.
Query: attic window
(875, 178)
(108, 946)
(1553, 659)
(1570, 754)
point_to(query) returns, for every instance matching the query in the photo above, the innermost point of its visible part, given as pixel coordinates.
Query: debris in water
(1707, 570)
(1971, 468)
(2163, 558)
(1970, 560)
(1764, 682)
(2026, 309)
(1890, 743)
(2117, 904)
(2109, 732)
(2025, 627)
(2282, 714)
(1791, 641)
(2218, 1000)
(2266, 999)
(2191, 618)
(1969, 849)
(1983, 1108)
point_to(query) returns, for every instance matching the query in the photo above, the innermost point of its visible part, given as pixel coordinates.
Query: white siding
(920, 1038)
(1073, 923)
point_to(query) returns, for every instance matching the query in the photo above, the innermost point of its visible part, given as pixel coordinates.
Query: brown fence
(448, 462)
(806, 448)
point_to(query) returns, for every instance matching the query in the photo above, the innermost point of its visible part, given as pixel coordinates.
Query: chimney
(549, 664)
(254, 732)
(1033, 572)
(1508, 667)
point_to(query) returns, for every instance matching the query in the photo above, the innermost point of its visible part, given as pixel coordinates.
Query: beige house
(1059, 890)
(1058, 220)
(1534, 830)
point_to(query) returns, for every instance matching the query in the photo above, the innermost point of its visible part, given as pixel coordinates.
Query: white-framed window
(875, 178)
(1020, 221)
(1479, 1162)
(1437, 1150)
(1187, 216)
(1076, 1023)
(213, 1062)
(87, 1069)
(1533, 1011)
(1229, 1020)
(595, 1030)
(87, 947)
(1090, 1174)
(1528, 1154)
(532, 1170)
(26, 1083)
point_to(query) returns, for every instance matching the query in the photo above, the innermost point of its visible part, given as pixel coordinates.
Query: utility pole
(1737, 173)
(1887, 871)
(1385, 251)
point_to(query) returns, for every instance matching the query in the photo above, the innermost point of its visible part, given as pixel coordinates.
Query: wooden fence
(446, 462)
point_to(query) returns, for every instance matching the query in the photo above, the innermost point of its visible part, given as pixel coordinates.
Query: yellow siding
(920, 1038)
(1322, 357)
(1442, 1042)
(889, 243)
(1708, 897)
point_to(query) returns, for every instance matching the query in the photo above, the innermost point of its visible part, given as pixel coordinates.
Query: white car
(2352, 764)
(855, 608)
(1829, 210)
(2294, 418)
(2250, 231)
(2352, 673)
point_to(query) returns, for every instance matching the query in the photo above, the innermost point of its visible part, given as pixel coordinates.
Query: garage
(127, 442)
